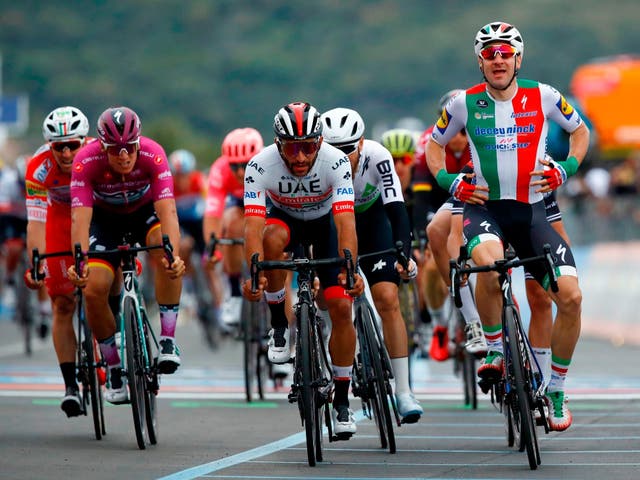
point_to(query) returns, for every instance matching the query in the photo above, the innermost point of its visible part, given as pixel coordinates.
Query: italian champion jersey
(507, 138)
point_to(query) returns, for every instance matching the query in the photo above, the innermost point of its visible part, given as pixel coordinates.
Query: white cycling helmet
(498, 32)
(182, 161)
(342, 126)
(65, 123)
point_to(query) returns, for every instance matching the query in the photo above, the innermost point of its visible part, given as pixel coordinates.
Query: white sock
(468, 309)
(400, 368)
(543, 356)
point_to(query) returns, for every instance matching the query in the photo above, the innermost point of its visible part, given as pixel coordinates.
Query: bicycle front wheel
(377, 379)
(151, 387)
(250, 344)
(95, 393)
(524, 417)
(135, 369)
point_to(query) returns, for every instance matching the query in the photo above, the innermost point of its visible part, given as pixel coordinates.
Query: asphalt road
(207, 430)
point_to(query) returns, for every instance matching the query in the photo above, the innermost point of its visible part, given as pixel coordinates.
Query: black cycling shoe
(71, 404)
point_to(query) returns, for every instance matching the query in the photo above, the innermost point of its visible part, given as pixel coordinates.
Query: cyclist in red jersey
(224, 212)
(122, 186)
(48, 201)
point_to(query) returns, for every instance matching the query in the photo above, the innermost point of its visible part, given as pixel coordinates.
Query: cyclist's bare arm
(253, 235)
(80, 222)
(211, 225)
(35, 239)
(167, 213)
(347, 239)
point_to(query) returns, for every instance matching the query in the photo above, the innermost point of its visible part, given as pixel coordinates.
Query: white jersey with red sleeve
(222, 182)
(327, 187)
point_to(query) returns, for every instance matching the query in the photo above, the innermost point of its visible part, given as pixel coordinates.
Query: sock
(234, 285)
(168, 320)
(275, 300)
(437, 316)
(68, 370)
(341, 382)
(109, 351)
(494, 338)
(559, 367)
(468, 309)
(543, 356)
(400, 368)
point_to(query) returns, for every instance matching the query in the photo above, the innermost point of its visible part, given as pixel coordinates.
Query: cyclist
(444, 231)
(189, 191)
(506, 122)
(122, 185)
(401, 143)
(309, 183)
(381, 220)
(48, 202)
(224, 213)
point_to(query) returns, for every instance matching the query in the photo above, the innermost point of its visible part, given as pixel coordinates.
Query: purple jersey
(93, 182)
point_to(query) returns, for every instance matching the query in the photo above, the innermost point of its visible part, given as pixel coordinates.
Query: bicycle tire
(150, 388)
(93, 383)
(26, 314)
(324, 388)
(135, 368)
(307, 390)
(525, 412)
(469, 380)
(378, 382)
(250, 354)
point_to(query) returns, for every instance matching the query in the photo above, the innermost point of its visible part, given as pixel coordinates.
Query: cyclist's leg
(232, 261)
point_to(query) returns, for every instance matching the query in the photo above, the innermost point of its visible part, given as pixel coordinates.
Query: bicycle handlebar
(457, 267)
(36, 260)
(214, 242)
(302, 264)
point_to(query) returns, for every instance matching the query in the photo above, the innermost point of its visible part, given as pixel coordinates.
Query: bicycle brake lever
(168, 249)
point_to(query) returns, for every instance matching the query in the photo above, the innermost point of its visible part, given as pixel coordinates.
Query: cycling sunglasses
(405, 159)
(117, 149)
(292, 149)
(505, 51)
(349, 148)
(237, 166)
(72, 145)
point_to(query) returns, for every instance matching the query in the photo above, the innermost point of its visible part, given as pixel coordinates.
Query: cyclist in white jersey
(381, 219)
(309, 184)
(506, 123)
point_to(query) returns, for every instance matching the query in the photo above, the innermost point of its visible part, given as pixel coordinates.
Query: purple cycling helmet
(118, 126)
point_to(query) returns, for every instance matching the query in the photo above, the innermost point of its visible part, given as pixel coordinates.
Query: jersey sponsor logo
(345, 191)
(165, 174)
(523, 114)
(385, 169)
(76, 183)
(483, 116)
(495, 131)
(158, 160)
(249, 179)
(78, 167)
(565, 107)
(291, 188)
(507, 146)
(43, 170)
(443, 121)
(34, 189)
(379, 265)
(523, 101)
(342, 161)
(481, 103)
(250, 195)
(255, 211)
(365, 164)
(342, 207)
(256, 166)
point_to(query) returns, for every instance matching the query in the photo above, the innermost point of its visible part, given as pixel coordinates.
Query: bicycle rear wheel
(524, 417)
(378, 383)
(26, 313)
(308, 404)
(135, 369)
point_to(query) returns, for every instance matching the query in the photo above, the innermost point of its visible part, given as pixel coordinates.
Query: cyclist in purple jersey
(121, 186)
(506, 121)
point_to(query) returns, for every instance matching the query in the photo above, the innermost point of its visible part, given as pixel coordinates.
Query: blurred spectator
(625, 177)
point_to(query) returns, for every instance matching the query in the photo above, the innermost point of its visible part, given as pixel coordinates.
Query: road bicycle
(90, 368)
(254, 319)
(520, 392)
(312, 377)
(464, 363)
(138, 340)
(372, 370)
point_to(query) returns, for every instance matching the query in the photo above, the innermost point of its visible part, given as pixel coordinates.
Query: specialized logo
(523, 101)
(486, 225)
(379, 265)
(561, 251)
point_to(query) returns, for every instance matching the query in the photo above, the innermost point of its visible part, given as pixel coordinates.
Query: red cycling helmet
(118, 126)
(241, 144)
(297, 121)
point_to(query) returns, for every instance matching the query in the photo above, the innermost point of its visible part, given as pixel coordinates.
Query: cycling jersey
(507, 138)
(190, 197)
(93, 182)
(326, 187)
(222, 182)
